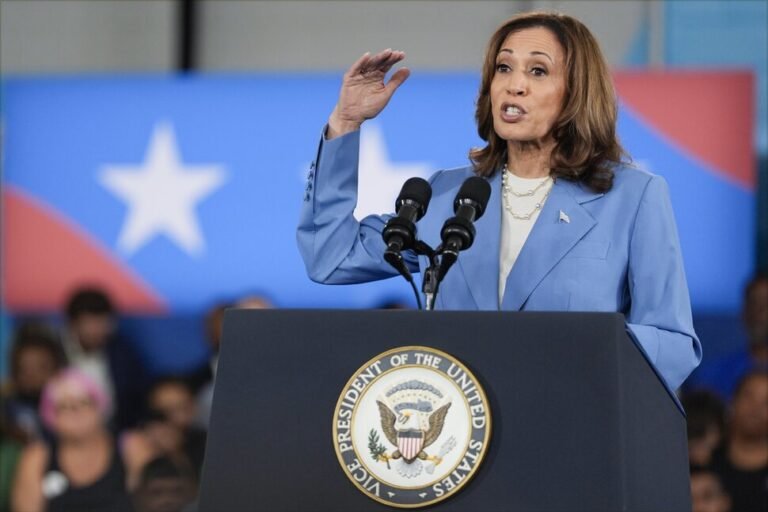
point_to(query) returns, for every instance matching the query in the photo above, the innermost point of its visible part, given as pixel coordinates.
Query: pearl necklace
(507, 190)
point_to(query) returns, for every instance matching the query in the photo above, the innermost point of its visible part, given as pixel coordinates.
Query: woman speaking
(570, 226)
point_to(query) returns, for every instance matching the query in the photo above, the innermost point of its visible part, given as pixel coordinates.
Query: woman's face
(528, 86)
(76, 413)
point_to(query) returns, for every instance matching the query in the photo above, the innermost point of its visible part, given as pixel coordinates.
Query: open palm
(363, 91)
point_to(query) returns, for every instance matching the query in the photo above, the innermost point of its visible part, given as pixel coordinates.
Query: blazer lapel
(551, 238)
(480, 265)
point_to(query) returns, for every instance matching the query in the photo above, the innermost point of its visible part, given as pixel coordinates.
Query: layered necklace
(509, 192)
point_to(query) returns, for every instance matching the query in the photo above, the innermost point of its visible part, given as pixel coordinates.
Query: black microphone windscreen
(474, 189)
(416, 190)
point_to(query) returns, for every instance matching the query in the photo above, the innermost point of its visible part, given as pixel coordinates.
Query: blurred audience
(756, 320)
(173, 399)
(254, 302)
(707, 493)
(742, 461)
(35, 358)
(168, 429)
(166, 485)
(81, 468)
(394, 304)
(706, 425)
(722, 374)
(214, 326)
(91, 344)
(11, 444)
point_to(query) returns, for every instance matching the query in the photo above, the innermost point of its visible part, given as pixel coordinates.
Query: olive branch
(378, 450)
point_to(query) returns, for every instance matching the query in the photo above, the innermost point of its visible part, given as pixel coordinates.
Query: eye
(502, 68)
(539, 71)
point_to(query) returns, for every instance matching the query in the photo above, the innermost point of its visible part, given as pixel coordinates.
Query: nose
(517, 85)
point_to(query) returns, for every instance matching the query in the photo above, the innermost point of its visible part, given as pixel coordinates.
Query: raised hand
(363, 91)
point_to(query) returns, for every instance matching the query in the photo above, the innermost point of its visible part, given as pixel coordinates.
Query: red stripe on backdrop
(45, 258)
(690, 109)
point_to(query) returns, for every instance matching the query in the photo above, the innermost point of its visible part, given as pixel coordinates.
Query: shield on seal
(409, 442)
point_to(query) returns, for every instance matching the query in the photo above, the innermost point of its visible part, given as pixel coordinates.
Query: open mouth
(512, 112)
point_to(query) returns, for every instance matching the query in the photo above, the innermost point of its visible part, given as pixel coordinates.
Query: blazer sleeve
(335, 247)
(660, 312)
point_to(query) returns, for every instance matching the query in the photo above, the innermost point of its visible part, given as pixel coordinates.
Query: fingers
(380, 62)
(397, 79)
(359, 64)
(377, 60)
(393, 59)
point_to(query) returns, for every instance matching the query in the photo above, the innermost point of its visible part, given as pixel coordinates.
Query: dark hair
(35, 335)
(89, 301)
(172, 380)
(704, 410)
(586, 145)
(167, 467)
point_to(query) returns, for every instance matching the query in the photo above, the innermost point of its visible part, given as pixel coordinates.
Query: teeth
(513, 111)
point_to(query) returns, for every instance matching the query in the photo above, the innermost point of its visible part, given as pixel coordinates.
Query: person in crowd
(253, 302)
(174, 399)
(706, 425)
(168, 428)
(35, 358)
(166, 485)
(214, 327)
(155, 437)
(742, 464)
(82, 467)
(569, 225)
(721, 374)
(12, 441)
(91, 344)
(707, 493)
(394, 304)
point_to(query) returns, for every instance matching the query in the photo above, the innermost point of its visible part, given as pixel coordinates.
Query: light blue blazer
(618, 252)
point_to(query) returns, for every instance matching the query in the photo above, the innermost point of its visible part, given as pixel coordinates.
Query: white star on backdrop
(161, 195)
(380, 180)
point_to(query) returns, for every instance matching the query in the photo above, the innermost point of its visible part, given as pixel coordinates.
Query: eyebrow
(532, 53)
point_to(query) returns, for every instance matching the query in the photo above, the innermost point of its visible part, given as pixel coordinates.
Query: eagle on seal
(408, 430)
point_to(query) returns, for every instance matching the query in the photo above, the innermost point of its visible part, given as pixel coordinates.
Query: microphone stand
(432, 275)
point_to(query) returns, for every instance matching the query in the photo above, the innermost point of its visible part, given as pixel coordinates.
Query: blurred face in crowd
(165, 437)
(749, 413)
(700, 449)
(76, 414)
(176, 403)
(93, 330)
(34, 367)
(707, 494)
(215, 326)
(528, 88)
(756, 312)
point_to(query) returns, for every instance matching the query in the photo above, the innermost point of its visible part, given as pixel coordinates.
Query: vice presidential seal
(411, 427)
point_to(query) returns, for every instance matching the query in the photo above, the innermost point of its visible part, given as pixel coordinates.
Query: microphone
(400, 232)
(458, 232)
